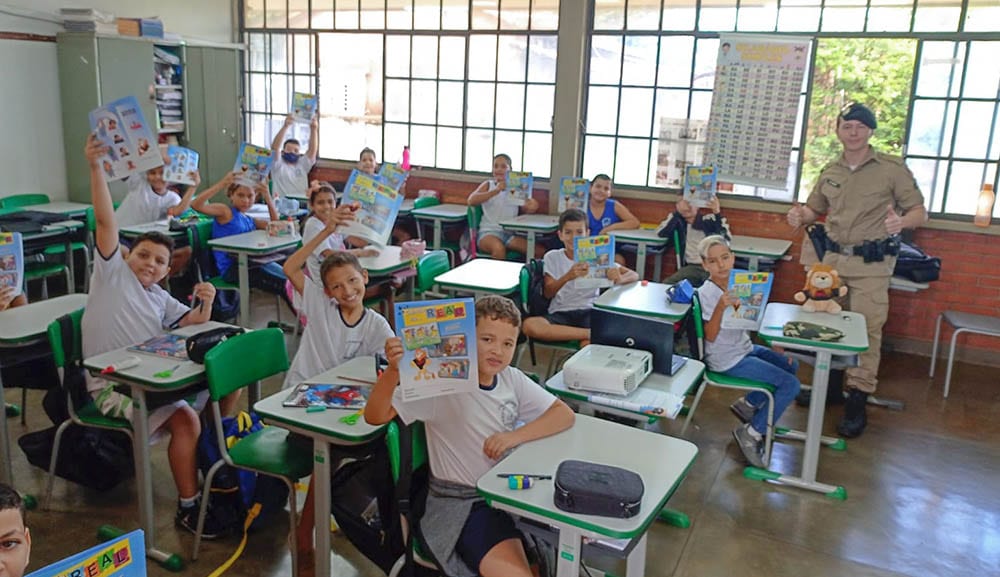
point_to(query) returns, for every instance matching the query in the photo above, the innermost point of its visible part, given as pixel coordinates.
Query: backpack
(914, 264)
(234, 491)
(227, 302)
(537, 304)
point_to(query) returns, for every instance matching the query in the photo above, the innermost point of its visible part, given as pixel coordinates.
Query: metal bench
(963, 323)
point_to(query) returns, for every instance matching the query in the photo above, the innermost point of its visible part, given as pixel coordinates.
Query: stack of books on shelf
(88, 20)
(169, 90)
(151, 27)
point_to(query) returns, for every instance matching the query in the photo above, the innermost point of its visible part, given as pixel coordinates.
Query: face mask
(290, 157)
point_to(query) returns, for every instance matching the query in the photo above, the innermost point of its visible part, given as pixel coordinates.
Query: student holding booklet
(290, 168)
(378, 204)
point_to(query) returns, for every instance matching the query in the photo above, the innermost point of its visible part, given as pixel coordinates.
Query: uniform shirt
(495, 210)
(730, 345)
(142, 204)
(239, 224)
(607, 218)
(313, 227)
(120, 312)
(570, 297)
(328, 341)
(457, 425)
(694, 236)
(291, 179)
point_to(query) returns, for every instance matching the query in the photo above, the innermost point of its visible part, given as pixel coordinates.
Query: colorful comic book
(439, 344)
(573, 193)
(519, 185)
(700, 185)
(392, 174)
(253, 164)
(166, 345)
(327, 395)
(753, 290)
(132, 146)
(183, 161)
(123, 556)
(379, 206)
(11, 261)
(599, 254)
(303, 107)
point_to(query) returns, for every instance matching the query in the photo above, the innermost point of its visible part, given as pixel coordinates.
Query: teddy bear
(822, 286)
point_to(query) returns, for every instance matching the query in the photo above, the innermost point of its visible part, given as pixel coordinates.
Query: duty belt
(871, 250)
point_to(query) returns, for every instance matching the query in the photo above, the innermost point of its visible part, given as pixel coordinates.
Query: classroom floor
(921, 483)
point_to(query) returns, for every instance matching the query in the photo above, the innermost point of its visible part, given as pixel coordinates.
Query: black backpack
(536, 302)
(226, 306)
(914, 264)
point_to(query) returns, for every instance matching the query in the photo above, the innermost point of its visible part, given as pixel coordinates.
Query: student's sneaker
(751, 447)
(187, 518)
(743, 410)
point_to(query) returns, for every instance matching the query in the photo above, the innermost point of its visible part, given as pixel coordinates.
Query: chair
(453, 248)
(67, 352)
(962, 323)
(474, 216)
(42, 271)
(726, 381)
(563, 348)
(430, 265)
(21, 200)
(417, 457)
(84, 247)
(228, 368)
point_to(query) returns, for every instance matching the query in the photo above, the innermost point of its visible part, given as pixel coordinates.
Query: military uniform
(856, 204)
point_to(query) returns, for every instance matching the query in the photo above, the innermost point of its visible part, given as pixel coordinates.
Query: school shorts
(575, 318)
(504, 236)
(484, 529)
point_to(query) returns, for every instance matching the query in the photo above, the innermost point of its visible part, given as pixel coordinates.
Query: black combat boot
(855, 418)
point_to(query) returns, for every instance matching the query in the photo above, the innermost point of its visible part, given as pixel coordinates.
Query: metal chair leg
(694, 405)
(24, 405)
(206, 492)
(951, 360)
(53, 460)
(934, 348)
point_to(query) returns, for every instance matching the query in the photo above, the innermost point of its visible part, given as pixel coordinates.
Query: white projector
(604, 369)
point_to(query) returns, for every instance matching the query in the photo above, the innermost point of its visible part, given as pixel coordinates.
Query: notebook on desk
(636, 332)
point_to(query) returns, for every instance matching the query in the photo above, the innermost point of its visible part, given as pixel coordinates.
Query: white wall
(31, 147)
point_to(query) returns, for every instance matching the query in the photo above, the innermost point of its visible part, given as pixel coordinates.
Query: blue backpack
(234, 491)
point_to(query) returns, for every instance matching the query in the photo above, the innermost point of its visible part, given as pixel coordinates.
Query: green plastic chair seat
(222, 284)
(568, 345)
(61, 248)
(268, 450)
(91, 415)
(737, 381)
(19, 200)
(36, 270)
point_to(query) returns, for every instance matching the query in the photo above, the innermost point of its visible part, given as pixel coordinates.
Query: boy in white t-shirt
(568, 318)
(493, 239)
(290, 170)
(126, 306)
(730, 351)
(340, 328)
(149, 199)
(467, 433)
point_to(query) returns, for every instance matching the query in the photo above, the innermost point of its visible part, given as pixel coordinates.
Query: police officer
(868, 197)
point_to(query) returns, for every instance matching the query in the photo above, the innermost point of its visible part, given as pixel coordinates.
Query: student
(467, 434)
(568, 318)
(149, 199)
(605, 214)
(339, 329)
(15, 540)
(729, 351)
(493, 239)
(692, 226)
(323, 204)
(290, 169)
(233, 220)
(368, 164)
(126, 306)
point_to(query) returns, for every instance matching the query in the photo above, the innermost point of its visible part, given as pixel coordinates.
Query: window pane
(347, 14)
(717, 15)
(485, 16)
(636, 112)
(279, 53)
(757, 15)
(983, 80)
(452, 58)
(398, 14)
(478, 150)
(598, 151)
(704, 62)
(542, 58)
(257, 46)
(451, 103)
(639, 66)
(305, 56)
(609, 15)
(798, 18)
(510, 106)
(253, 14)
(422, 145)
(981, 16)
(396, 137)
(538, 107)
(276, 15)
(480, 106)
(425, 57)
(424, 102)
(280, 92)
(512, 58)
(258, 93)
(940, 71)
(643, 15)
(514, 14)
(932, 17)
(889, 16)
(632, 161)
(449, 148)
(930, 177)
(351, 103)
(545, 14)
(701, 104)
(397, 100)
(455, 15)
(538, 154)
(258, 130)
(304, 84)
(844, 15)
(675, 61)
(511, 144)
(397, 56)
(322, 19)
(971, 136)
(427, 14)
(964, 184)
(605, 59)
(482, 57)
(602, 109)
(373, 14)
(670, 104)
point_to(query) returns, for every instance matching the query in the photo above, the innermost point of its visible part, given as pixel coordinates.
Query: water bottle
(405, 165)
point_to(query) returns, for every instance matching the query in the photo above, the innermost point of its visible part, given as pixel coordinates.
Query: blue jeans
(763, 364)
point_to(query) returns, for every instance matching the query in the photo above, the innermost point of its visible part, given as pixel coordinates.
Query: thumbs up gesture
(795, 215)
(893, 222)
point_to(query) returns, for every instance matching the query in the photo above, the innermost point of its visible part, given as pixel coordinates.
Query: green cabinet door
(213, 77)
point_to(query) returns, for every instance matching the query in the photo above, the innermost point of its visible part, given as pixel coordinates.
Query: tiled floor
(922, 485)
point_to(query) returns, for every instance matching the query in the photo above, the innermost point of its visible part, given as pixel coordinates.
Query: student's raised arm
(483, 193)
(265, 193)
(178, 209)
(293, 266)
(106, 236)
(280, 137)
(221, 212)
(313, 150)
(379, 409)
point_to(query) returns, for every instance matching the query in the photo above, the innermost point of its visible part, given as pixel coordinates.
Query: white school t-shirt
(694, 236)
(498, 208)
(730, 345)
(142, 204)
(570, 297)
(313, 227)
(291, 178)
(328, 341)
(457, 425)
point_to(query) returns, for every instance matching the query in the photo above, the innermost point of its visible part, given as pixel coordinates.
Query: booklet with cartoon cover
(166, 345)
(573, 193)
(253, 164)
(11, 261)
(123, 556)
(753, 290)
(327, 395)
(518, 187)
(132, 147)
(303, 107)
(599, 254)
(379, 206)
(183, 161)
(439, 344)
(700, 185)
(392, 174)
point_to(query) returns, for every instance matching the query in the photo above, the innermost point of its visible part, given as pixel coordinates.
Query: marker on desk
(315, 408)
(539, 477)
(126, 363)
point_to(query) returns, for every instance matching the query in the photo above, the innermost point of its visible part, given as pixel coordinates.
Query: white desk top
(60, 207)
(161, 226)
(388, 261)
(773, 248)
(644, 299)
(325, 424)
(407, 206)
(254, 242)
(536, 222)
(907, 285)
(661, 461)
(485, 275)
(852, 324)
(644, 235)
(32, 320)
(447, 212)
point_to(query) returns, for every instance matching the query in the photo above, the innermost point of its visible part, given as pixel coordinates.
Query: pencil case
(595, 489)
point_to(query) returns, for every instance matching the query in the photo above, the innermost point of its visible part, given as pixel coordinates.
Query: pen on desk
(527, 475)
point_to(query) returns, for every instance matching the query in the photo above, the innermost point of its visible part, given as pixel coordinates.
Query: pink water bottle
(406, 158)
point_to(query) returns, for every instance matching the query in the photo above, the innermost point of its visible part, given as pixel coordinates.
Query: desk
(643, 299)
(55, 233)
(644, 238)
(22, 327)
(482, 276)
(407, 207)
(160, 226)
(599, 441)
(140, 379)
(756, 248)
(386, 263)
(855, 341)
(324, 428)
(261, 212)
(439, 214)
(531, 225)
(253, 243)
(70, 209)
